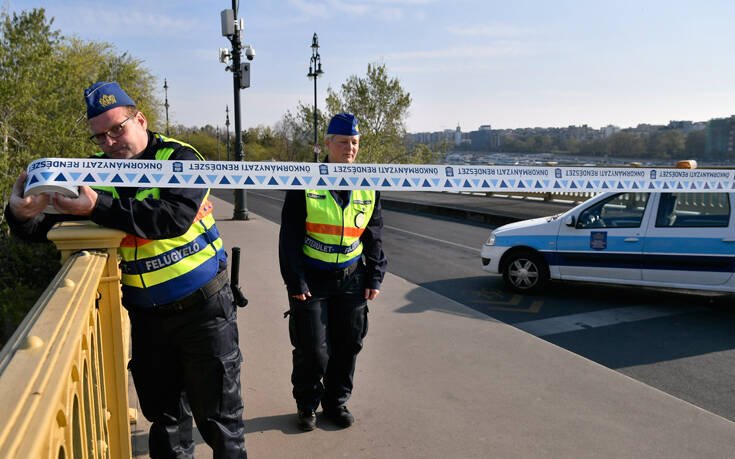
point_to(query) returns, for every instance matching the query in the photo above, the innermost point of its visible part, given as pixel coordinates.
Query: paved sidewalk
(440, 380)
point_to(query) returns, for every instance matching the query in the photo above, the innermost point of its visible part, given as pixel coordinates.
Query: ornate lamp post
(315, 71)
(165, 89)
(227, 130)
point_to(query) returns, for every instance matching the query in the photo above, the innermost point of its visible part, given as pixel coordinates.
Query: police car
(673, 240)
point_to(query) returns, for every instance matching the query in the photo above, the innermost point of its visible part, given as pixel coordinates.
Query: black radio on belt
(240, 299)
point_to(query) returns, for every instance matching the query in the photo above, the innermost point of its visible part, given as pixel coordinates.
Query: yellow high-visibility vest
(161, 271)
(333, 233)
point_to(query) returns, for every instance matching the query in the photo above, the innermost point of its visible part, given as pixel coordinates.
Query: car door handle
(630, 239)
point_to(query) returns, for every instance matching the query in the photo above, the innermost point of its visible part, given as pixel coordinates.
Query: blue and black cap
(343, 124)
(103, 96)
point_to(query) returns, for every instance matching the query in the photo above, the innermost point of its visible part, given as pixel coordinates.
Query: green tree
(381, 107)
(42, 78)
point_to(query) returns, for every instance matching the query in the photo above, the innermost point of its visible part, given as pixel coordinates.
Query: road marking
(497, 304)
(594, 319)
(474, 249)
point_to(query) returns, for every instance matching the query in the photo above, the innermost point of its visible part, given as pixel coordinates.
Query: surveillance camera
(249, 52)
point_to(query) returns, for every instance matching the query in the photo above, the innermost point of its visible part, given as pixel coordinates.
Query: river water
(541, 159)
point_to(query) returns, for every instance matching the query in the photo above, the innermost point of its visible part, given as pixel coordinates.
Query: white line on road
(432, 238)
(474, 249)
(602, 318)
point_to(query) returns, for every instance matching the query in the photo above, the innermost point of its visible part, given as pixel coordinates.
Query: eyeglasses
(113, 133)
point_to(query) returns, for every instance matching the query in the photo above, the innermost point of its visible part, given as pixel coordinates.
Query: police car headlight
(491, 239)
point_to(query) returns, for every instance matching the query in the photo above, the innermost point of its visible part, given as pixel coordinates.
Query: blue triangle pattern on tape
(557, 185)
(635, 185)
(693, 186)
(186, 177)
(75, 175)
(476, 183)
(157, 177)
(284, 178)
(173, 179)
(249, 181)
(103, 175)
(651, 186)
(117, 179)
(620, 185)
(447, 184)
(719, 185)
(521, 185)
(260, 178)
(503, 184)
(33, 180)
(386, 182)
(436, 181)
(467, 184)
(212, 178)
(143, 179)
(416, 181)
(131, 177)
(273, 181)
(307, 179)
(604, 185)
(665, 187)
(426, 184)
(224, 181)
(406, 183)
(60, 178)
(200, 180)
(457, 182)
(296, 182)
(365, 182)
(538, 184)
(678, 186)
(706, 186)
(589, 185)
(88, 178)
(343, 182)
(332, 180)
(321, 182)
(46, 175)
(396, 180)
(354, 180)
(573, 185)
(375, 180)
(485, 184)
(235, 178)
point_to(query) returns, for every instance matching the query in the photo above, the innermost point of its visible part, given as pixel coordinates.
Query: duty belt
(198, 296)
(333, 274)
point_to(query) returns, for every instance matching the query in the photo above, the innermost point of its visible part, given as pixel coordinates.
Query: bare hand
(302, 296)
(25, 208)
(371, 293)
(82, 205)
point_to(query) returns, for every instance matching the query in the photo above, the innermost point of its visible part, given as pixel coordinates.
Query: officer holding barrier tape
(185, 353)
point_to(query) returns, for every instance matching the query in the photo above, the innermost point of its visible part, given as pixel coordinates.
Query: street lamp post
(165, 89)
(232, 29)
(227, 130)
(217, 143)
(315, 71)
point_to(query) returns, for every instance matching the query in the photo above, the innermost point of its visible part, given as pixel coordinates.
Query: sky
(525, 63)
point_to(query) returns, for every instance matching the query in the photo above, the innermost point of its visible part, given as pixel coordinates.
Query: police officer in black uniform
(325, 236)
(185, 352)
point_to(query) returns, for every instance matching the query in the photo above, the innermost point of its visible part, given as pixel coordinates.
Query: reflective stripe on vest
(161, 271)
(333, 233)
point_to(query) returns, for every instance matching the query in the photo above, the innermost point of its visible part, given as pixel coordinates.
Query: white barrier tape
(49, 173)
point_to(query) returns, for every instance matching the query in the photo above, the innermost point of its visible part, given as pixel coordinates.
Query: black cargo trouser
(188, 362)
(326, 332)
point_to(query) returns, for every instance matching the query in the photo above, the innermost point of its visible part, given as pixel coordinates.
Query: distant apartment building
(720, 136)
(609, 130)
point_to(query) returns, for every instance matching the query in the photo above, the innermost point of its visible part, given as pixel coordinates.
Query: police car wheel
(525, 272)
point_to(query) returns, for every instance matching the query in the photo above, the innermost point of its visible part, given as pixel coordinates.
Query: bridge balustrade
(63, 377)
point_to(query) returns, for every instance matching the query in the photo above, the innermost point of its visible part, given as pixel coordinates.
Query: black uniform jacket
(293, 231)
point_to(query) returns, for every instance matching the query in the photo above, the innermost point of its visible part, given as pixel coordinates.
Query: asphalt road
(679, 342)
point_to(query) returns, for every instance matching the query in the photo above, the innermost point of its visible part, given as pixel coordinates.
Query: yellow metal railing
(63, 380)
